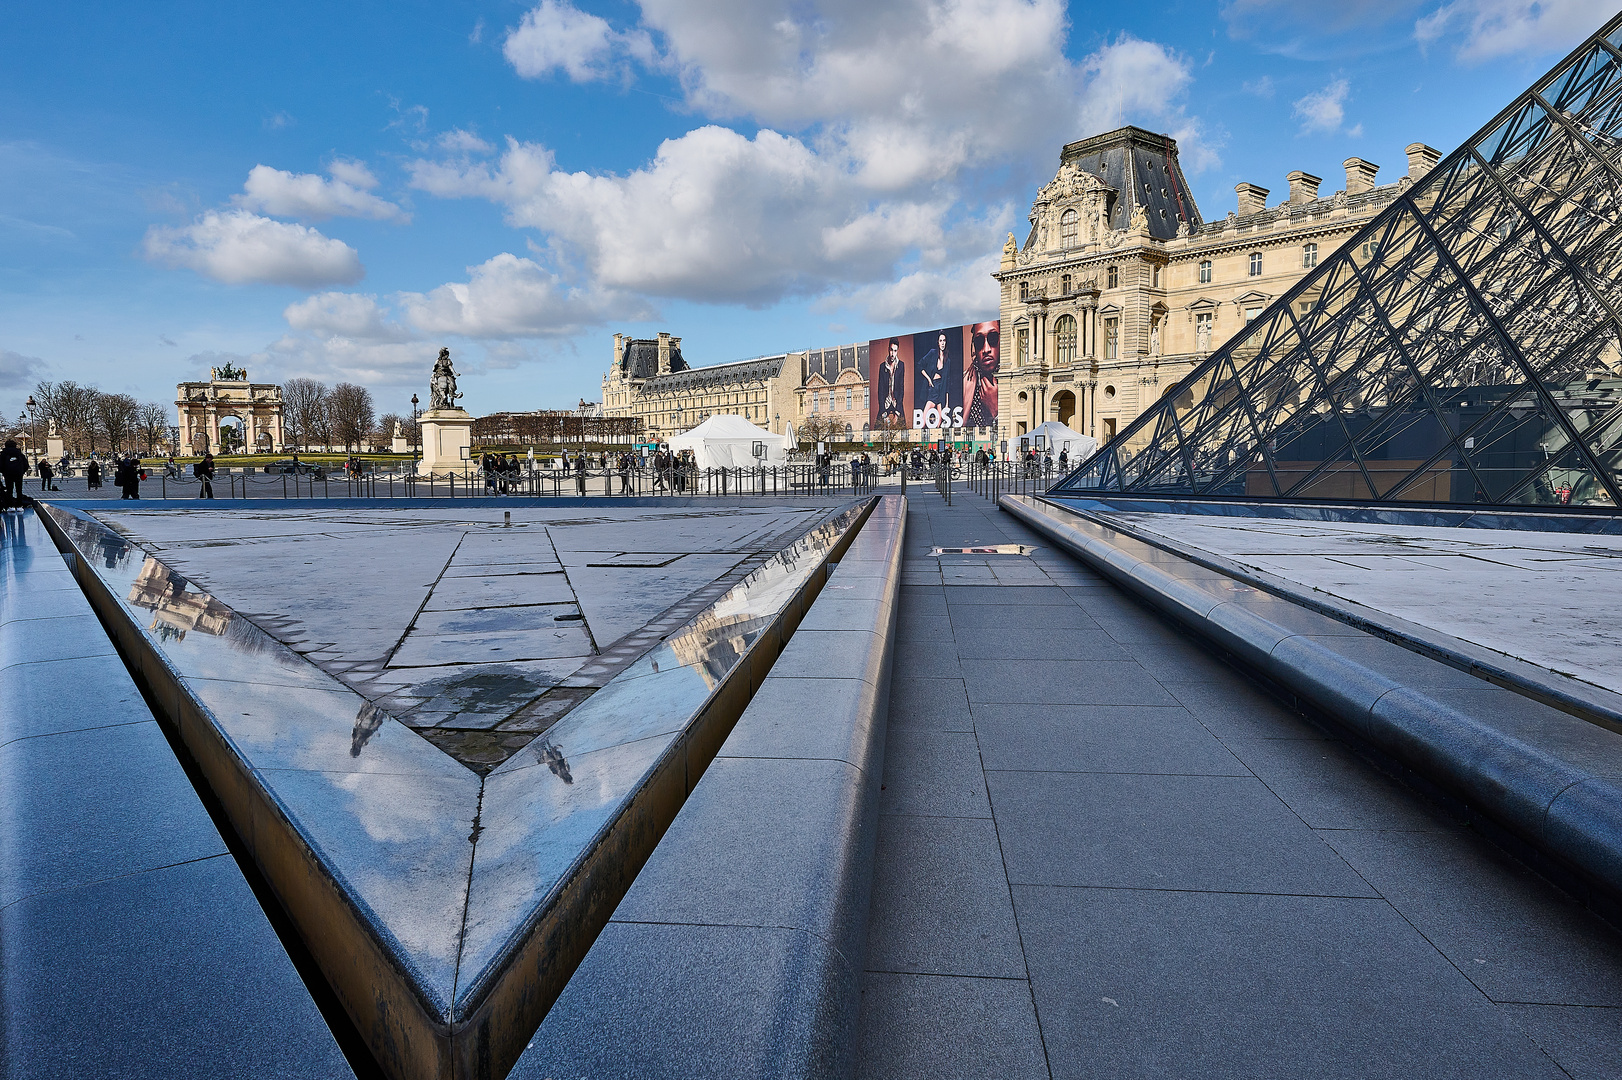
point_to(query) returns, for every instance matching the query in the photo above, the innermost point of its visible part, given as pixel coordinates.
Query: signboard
(944, 378)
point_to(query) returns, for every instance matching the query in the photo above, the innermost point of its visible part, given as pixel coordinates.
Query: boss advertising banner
(943, 378)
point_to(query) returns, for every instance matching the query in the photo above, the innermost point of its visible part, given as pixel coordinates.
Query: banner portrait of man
(980, 375)
(890, 384)
(937, 389)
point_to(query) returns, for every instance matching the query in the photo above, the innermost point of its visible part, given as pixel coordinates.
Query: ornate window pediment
(1251, 299)
(1109, 309)
(1204, 303)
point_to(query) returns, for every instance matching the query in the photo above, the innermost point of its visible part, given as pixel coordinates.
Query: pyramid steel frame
(1462, 348)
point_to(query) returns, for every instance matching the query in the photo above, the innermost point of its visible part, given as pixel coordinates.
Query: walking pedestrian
(580, 474)
(46, 473)
(204, 471)
(92, 475)
(127, 479)
(13, 467)
(625, 472)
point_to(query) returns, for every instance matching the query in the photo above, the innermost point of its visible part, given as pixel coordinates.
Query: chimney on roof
(1421, 159)
(1359, 175)
(1303, 187)
(1252, 199)
(664, 352)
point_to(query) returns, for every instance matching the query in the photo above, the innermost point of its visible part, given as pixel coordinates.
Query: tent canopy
(1057, 437)
(728, 441)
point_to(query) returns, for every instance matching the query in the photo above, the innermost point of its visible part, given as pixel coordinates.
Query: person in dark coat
(204, 471)
(92, 474)
(128, 478)
(46, 474)
(13, 467)
(580, 473)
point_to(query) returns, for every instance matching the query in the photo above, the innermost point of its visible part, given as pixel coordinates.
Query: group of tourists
(14, 469)
(502, 472)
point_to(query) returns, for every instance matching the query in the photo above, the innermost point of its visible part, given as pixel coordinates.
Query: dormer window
(1113, 277)
(1069, 222)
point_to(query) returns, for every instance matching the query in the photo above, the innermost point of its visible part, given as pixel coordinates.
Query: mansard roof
(1142, 166)
(737, 372)
(640, 359)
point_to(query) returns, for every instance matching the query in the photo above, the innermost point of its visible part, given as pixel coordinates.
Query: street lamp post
(33, 428)
(416, 433)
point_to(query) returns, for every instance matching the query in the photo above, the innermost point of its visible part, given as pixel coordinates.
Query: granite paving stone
(133, 809)
(1155, 984)
(930, 704)
(948, 1029)
(1099, 739)
(171, 972)
(1492, 917)
(35, 692)
(946, 909)
(933, 772)
(1581, 1040)
(1062, 682)
(1329, 787)
(1161, 832)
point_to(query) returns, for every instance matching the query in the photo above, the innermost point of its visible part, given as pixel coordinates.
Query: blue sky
(337, 190)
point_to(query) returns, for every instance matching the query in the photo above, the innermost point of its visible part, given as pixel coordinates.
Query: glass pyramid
(1470, 357)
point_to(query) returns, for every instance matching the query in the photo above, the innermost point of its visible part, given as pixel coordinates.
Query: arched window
(1113, 277)
(1205, 272)
(1067, 228)
(1255, 264)
(1309, 256)
(1064, 339)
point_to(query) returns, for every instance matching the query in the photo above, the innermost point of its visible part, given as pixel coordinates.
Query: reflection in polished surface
(448, 866)
(175, 609)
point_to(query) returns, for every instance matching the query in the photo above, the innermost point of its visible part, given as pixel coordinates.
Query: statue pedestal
(54, 447)
(447, 435)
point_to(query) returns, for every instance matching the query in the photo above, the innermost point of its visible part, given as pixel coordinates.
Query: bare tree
(152, 425)
(304, 412)
(73, 407)
(350, 407)
(115, 418)
(383, 437)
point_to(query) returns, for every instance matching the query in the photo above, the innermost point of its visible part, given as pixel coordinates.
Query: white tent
(1057, 437)
(729, 442)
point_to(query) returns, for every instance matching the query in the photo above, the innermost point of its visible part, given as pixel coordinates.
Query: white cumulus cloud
(1323, 110)
(305, 195)
(347, 315)
(508, 297)
(882, 124)
(1488, 29)
(557, 36)
(239, 247)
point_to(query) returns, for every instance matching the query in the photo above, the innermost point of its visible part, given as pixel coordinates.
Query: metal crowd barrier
(1000, 478)
(612, 482)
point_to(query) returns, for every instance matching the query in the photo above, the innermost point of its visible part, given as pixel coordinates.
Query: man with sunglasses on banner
(980, 376)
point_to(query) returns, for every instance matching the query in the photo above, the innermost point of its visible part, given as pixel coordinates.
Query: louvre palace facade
(1122, 287)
